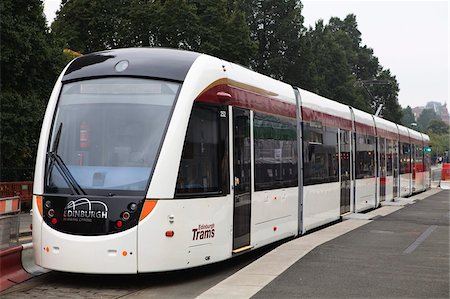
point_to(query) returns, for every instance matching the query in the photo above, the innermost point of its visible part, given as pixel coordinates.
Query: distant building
(417, 111)
(439, 108)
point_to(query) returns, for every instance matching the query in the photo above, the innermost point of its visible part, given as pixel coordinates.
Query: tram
(156, 159)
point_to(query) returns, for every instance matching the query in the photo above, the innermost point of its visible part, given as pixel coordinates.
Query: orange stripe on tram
(149, 205)
(39, 203)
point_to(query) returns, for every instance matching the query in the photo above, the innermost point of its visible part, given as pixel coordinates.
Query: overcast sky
(411, 38)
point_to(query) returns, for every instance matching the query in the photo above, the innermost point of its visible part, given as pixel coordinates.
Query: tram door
(345, 170)
(382, 168)
(395, 167)
(242, 184)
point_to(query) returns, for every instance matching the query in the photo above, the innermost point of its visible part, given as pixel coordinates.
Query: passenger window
(390, 153)
(382, 165)
(419, 159)
(320, 154)
(204, 167)
(275, 152)
(405, 159)
(365, 160)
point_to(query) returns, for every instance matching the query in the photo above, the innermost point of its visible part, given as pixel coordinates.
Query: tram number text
(203, 231)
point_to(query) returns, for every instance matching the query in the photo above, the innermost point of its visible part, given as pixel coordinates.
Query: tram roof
(415, 136)
(161, 63)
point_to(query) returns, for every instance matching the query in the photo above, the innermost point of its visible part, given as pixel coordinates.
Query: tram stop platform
(399, 250)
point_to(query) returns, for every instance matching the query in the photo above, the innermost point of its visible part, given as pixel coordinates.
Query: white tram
(157, 159)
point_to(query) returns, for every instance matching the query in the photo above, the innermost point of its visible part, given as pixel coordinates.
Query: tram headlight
(132, 207)
(51, 213)
(48, 204)
(121, 66)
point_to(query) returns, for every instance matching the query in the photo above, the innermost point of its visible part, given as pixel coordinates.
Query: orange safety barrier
(445, 172)
(22, 189)
(445, 177)
(9, 205)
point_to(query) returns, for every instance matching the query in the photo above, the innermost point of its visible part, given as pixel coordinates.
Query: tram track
(187, 283)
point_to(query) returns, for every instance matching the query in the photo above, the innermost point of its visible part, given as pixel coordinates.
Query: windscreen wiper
(56, 160)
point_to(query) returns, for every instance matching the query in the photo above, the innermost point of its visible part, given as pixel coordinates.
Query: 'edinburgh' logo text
(85, 210)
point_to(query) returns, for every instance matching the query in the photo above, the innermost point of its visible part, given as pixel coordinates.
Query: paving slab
(359, 216)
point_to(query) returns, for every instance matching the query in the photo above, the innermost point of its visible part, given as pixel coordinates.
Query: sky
(409, 37)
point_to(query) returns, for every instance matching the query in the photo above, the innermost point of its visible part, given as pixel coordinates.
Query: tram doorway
(345, 157)
(382, 169)
(242, 180)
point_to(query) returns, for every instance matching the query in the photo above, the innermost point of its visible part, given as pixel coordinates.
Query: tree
(171, 23)
(87, 26)
(235, 42)
(407, 117)
(328, 69)
(213, 27)
(385, 92)
(437, 126)
(424, 119)
(440, 143)
(335, 64)
(276, 26)
(30, 62)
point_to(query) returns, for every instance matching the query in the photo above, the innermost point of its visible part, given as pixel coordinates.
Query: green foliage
(328, 59)
(408, 117)
(437, 126)
(214, 27)
(439, 143)
(425, 118)
(30, 62)
(171, 23)
(86, 26)
(276, 26)
(386, 93)
(335, 64)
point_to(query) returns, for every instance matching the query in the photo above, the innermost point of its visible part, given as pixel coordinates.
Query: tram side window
(275, 152)
(365, 161)
(320, 154)
(389, 158)
(419, 158)
(426, 160)
(383, 157)
(405, 166)
(204, 162)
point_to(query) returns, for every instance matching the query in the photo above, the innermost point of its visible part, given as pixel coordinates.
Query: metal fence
(436, 174)
(9, 221)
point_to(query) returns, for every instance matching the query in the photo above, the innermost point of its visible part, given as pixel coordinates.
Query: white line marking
(420, 239)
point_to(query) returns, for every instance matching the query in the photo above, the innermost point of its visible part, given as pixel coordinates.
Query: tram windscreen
(107, 133)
